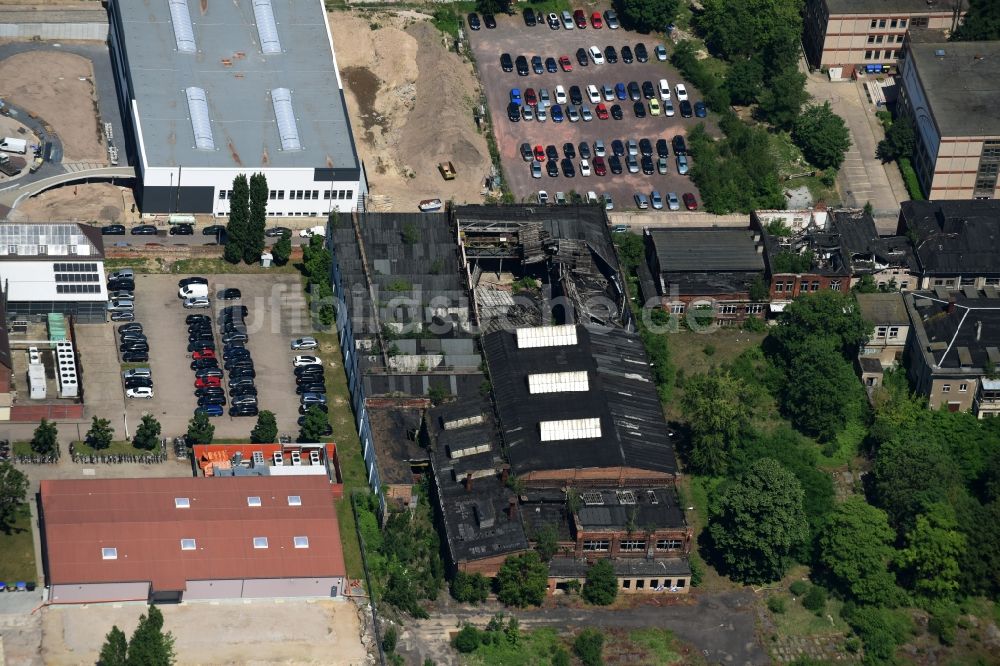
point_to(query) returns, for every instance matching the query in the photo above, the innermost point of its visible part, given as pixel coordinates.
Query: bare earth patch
(91, 202)
(59, 88)
(410, 101)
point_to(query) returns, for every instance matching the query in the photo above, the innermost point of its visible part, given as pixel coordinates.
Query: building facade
(887, 340)
(233, 88)
(864, 34)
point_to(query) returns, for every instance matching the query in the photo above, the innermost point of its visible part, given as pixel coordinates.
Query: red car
(565, 63)
(540, 153)
(530, 98)
(602, 111)
(205, 382)
(690, 201)
(204, 353)
(599, 167)
(580, 18)
(596, 20)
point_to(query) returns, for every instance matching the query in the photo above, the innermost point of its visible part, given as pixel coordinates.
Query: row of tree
(247, 219)
(149, 645)
(317, 262)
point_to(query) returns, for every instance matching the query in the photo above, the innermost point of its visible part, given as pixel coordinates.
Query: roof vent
(180, 17)
(267, 29)
(288, 131)
(940, 53)
(201, 125)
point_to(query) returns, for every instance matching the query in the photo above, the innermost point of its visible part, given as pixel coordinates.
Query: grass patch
(660, 645)
(790, 162)
(847, 444)
(17, 550)
(138, 264)
(533, 649)
(688, 355)
(217, 265)
(549, 6)
(910, 179)
(797, 621)
(22, 449)
(119, 447)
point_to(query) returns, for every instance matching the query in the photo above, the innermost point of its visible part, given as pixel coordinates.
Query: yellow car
(654, 107)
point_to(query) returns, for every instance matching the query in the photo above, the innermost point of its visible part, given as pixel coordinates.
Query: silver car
(656, 199)
(586, 114)
(197, 303)
(673, 203)
(633, 163)
(633, 147)
(536, 169)
(682, 165)
(304, 343)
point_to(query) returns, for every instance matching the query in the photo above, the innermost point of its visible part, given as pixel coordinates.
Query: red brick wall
(805, 279)
(35, 413)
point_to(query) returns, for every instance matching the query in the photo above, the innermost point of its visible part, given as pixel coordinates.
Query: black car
(700, 110)
(569, 171)
(235, 311)
(575, 95)
(192, 318)
(648, 91)
(569, 150)
(610, 55)
(552, 168)
(322, 407)
(134, 347)
(529, 17)
(640, 109)
(144, 230)
(550, 65)
(308, 370)
(616, 112)
(203, 363)
(243, 390)
(208, 372)
(240, 381)
(536, 65)
(647, 165)
(617, 147)
(634, 92)
(513, 113)
(584, 150)
(209, 390)
(551, 152)
(243, 410)
(235, 363)
(522, 65)
(641, 54)
(200, 335)
(125, 315)
(182, 230)
(231, 294)
(235, 352)
(113, 230)
(506, 64)
(310, 377)
(685, 108)
(626, 55)
(489, 21)
(134, 326)
(581, 57)
(215, 229)
(474, 23)
(661, 148)
(197, 326)
(278, 232)
(121, 285)
(188, 282)
(211, 400)
(645, 146)
(132, 336)
(242, 372)
(199, 345)
(136, 382)
(233, 337)
(615, 164)
(135, 357)
(310, 388)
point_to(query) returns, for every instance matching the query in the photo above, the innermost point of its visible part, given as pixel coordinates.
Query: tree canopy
(266, 430)
(314, 426)
(522, 580)
(822, 391)
(822, 136)
(822, 314)
(45, 441)
(770, 28)
(239, 220)
(253, 241)
(149, 645)
(13, 491)
(601, 585)
(899, 141)
(855, 548)
(716, 407)
(782, 98)
(200, 429)
(933, 548)
(648, 15)
(982, 22)
(100, 434)
(147, 435)
(910, 476)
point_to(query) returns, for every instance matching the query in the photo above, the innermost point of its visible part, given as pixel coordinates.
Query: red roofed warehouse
(191, 538)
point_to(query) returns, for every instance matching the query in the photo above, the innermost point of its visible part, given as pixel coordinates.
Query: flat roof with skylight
(238, 84)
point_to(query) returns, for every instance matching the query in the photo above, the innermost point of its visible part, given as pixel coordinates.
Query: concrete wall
(293, 587)
(97, 32)
(98, 592)
(213, 589)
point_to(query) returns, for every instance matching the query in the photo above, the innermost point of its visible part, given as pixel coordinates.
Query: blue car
(209, 410)
(557, 114)
(515, 96)
(620, 91)
(699, 109)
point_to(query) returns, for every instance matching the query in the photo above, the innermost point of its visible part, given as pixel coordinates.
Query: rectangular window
(727, 308)
(349, 194)
(919, 22)
(260, 542)
(904, 284)
(253, 501)
(879, 39)
(779, 287)
(755, 308)
(894, 331)
(902, 23)
(315, 194)
(633, 545)
(881, 331)
(874, 23)
(182, 503)
(963, 388)
(815, 286)
(597, 545)
(680, 583)
(834, 285)
(273, 195)
(881, 23)
(668, 544)
(893, 23)
(326, 195)
(640, 584)
(222, 195)
(626, 584)
(655, 583)
(868, 55)
(677, 308)
(871, 39)
(281, 195)
(899, 39)
(301, 541)
(109, 553)
(294, 500)
(188, 544)
(946, 388)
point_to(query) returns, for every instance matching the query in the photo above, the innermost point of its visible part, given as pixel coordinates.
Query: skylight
(253, 501)
(182, 503)
(553, 431)
(301, 541)
(180, 17)
(558, 382)
(288, 131)
(267, 29)
(294, 500)
(188, 544)
(260, 542)
(546, 336)
(201, 124)
(109, 553)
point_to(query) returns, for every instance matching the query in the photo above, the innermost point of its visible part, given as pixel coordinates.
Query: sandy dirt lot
(261, 632)
(49, 84)
(92, 202)
(410, 102)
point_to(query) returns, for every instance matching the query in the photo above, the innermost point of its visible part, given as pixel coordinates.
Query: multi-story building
(956, 243)
(887, 339)
(863, 34)
(949, 92)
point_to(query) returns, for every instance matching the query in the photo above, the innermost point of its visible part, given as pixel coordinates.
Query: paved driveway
(512, 36)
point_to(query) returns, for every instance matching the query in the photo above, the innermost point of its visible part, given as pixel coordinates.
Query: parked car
(536, 65)
(188, 281)
(192, 318)
(529, 17)
(144, 230)
(627, 57)
(137, 372)
(201, 344)
(231, 294)
(304, 343)
(197, 303)
(121, 294)
(686, 110)
(616, 112)
(203, 354)
(611, 18)
(682, 165)
(120, 305)
(489, 21)
(202, 363)
(181, 230)
(661, 52)
(596, 21)
(680, 148)
(566, 64)
(681, 91)
(278, 232)
(243, 410)
(690, 202)
(474, 22)
(136, 382)
(208, 372)
(216, 229)
(656, 200)
(551, 66)
(210, 410)
(521, 64)
(610, 55)
(113, 230)
(700, 110)
(211, 400)
(312, 398)
(203, 382)
(672, 202)
(139, 392)
(135, 357)
(641, 54)
(641, 202)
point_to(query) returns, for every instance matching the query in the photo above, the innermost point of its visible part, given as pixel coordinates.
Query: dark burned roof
(617, 509)
(476, 512)
(883, 309)
(954, 237)
(396, 447)
(565, 567)
(708, 284)
(621, 394)
(705, 250)
(966, 339)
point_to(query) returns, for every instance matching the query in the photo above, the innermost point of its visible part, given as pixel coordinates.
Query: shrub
(880, 629)
(470, 588)
(776, 605)
(601, 586)
(799, 587)
(852, 644)
(467, 640)
(389, 639)
(911, 180)
(588, 647)
(815, 599)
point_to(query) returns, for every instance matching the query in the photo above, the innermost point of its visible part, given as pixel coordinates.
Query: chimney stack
(951, 305)
(512, 508)
(979, 330)
(504, 475)
(468, 482)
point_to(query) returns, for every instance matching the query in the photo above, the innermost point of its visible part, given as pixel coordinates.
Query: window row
(78, 277)
(74, 268)
(804, 286)
(308, 195)
(888, 54)
(887, 331)
(962, 388)
(259, 543)
(654, 584)
(888, 39)
(632, 545)
(892, 23)
(78, 288)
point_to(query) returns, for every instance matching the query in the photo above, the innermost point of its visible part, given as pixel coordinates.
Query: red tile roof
(138, 517)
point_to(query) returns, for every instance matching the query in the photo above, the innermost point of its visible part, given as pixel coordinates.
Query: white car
(313, 231)
(139, 392)
(661, 52)
(596, 55)
(609, 203)
(584, 167)
(543, 198)
(682, 93)
(304, 343)
(594, 94)
(543, 97)
(560, 95)
(197, 303)
(305, 359)
(664, 87)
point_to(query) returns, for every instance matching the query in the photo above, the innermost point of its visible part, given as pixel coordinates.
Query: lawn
(17, 550)
(116, 448)
(216, 265)
(533, 649)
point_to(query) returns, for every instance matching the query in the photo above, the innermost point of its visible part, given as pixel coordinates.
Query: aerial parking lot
(568, 49)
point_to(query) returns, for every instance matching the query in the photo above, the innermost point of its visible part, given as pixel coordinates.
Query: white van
(664, 90)
(192, 290)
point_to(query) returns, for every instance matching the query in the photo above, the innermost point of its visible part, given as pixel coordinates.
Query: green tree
(911, 475)
(317, 260)
(822, 391)
(781, 100)
(855, 549)
(745, 80)
(769, 28)
(114, 652)
(821, 314)
(982, 22)
(239, 220)
(282, 250)
(601, 586)
(588, 646)
(13, 491)
(100, 434)
(45, 441)
(822, 136)
(547, 542)
(253, 243)
(648, 15)
(147, 435)
(467, 639)
(933, 548)
(410, 235)
(522, 580)
(490, 6)
(757, 522)
(200, 429)
(314, 426)
(715, 406)
(899, 141)
(149, 645)
(470, 588)
(266, 430)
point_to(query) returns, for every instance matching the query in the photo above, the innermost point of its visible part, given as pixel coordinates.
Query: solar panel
(558, 382)
(267, 29)
(553, 431)
(546, 336)
(288, 131)
(200, 122)
(180, 17)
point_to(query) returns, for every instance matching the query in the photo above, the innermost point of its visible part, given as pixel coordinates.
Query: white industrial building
(210, 90)
(55, 267)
